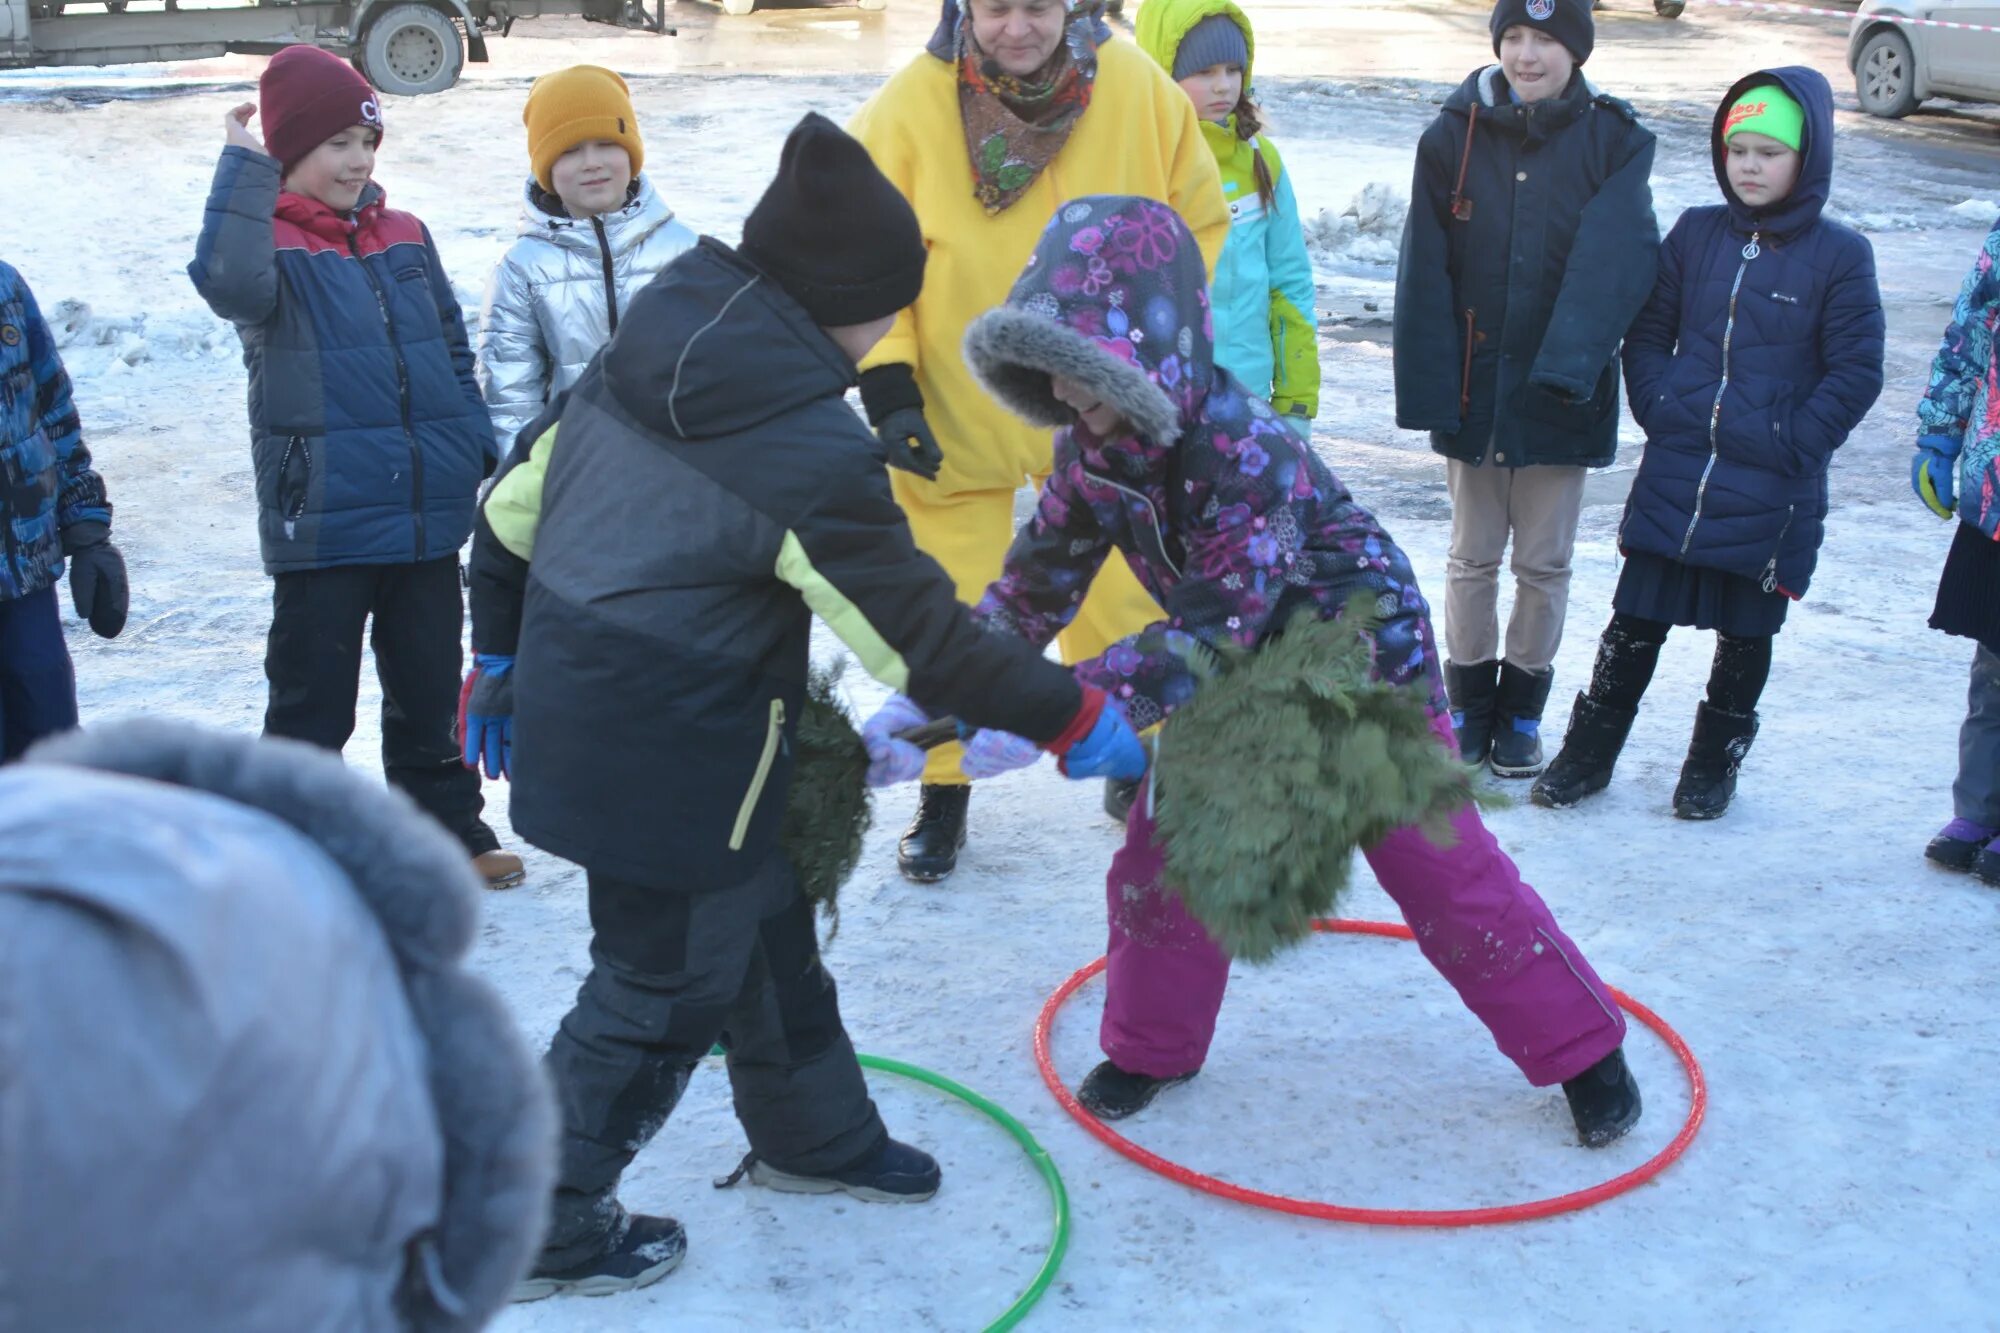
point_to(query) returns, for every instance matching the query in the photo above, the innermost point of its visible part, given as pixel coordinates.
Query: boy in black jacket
(1530, 245)
(701, 491)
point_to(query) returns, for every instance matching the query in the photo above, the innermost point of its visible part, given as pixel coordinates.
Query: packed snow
(1839, 991)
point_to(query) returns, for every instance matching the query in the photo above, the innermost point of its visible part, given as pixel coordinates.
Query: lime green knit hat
(1768, 110)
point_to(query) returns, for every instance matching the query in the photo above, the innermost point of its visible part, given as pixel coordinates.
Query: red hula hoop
(1384, 1217)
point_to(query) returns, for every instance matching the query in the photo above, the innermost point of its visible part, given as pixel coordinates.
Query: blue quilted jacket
(367, 431)
(46, 481)
(1760, 350)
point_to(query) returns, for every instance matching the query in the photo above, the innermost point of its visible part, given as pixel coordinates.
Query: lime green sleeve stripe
(843, 617)
(514, 505)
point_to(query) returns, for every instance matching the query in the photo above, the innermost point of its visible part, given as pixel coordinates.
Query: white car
(1898, 65)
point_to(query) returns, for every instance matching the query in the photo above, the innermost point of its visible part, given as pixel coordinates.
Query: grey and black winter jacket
(702, 492)
(1530, 245)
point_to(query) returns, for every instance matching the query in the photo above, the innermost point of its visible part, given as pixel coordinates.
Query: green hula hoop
(1037, 1154)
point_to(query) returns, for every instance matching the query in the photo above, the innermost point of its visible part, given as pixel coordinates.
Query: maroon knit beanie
(306, 97)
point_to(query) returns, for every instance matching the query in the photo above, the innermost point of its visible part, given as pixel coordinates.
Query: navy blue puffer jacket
(1760, 350)
(367, 431)
(1529, 246)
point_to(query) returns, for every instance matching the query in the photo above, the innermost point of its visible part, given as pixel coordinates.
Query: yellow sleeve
(1196, 180)
(513, 507)
(877, 125)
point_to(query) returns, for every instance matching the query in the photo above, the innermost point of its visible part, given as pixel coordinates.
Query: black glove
(895, 409)
(97, 581)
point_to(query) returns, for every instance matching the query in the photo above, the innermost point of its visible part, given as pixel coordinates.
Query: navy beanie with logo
(1568, 21)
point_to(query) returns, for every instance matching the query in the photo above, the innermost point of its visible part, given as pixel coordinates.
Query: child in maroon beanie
(367, 432)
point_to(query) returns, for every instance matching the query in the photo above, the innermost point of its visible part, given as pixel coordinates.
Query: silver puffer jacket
(557, 295)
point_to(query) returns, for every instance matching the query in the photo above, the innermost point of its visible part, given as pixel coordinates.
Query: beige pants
(1539, 508)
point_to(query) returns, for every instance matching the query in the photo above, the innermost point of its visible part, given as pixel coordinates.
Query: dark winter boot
(1472, 689)
(929, 851)
(1517, 731)
(1986, 865)
(639, 1252)
(890, 1172)
(1590, 749)
(1110, 1093)
(1119, 796)
(1958, 844)
(1708, 778)
(1604, 1101)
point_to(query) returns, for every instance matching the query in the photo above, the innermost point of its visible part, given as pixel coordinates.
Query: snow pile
(1974, 212)
(77, 326)
(1365, 235)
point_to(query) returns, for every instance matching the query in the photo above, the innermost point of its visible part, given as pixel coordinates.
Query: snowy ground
(1837, 988)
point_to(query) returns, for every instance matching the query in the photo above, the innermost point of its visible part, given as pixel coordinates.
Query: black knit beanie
(833, 232)
(1568, 21)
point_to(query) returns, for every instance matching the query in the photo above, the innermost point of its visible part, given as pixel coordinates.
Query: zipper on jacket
(610, 281)
(403, 391)
(1152, 515)
(772, 736)
(1770, 580)
(1750, 252)
(298, 443)
(1465, 376)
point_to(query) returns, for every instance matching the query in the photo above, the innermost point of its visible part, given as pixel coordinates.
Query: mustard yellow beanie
(576, 105)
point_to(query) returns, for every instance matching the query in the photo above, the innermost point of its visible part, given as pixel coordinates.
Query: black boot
(1110, 1093)
(890, 1172)
(1517, 736)
(638, 1252)
(1472, 690)
(929, 851)
(1604, 1101)
(1708, 778)
(1590, 749)
(1119, 796)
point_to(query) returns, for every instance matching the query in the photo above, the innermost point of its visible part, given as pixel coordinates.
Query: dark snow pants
(1976, 793)
(313, 661)
(37, 682)
(673, 973)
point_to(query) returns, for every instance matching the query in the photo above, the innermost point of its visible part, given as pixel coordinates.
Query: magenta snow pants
(1486, 931)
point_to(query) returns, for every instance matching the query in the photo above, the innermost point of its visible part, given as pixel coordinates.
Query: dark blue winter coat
(1760, 349)
(367, 431)
(1509, 306)
(46, 481)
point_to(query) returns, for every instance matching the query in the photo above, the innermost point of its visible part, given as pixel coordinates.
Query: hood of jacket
(1487, 90)
(1164, 24)
(1115, 297)
(1802, 207)
(625, 229)
(363, 930)
(309, 214)
(677, 360)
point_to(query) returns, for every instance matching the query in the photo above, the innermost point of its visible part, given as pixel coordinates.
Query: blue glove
(486, 714)
(1110, 749)
(891, 760)
(1934, 472)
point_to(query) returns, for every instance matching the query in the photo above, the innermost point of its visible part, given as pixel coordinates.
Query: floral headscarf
(1015, 125)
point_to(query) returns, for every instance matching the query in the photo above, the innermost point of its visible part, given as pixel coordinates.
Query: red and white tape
(1766, 6)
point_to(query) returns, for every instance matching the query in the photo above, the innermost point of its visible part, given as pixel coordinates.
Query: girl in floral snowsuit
(1232, 523)
(1956, 472)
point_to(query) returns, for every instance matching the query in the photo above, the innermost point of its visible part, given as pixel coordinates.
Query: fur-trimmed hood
(1114, 297)
(253, 1085)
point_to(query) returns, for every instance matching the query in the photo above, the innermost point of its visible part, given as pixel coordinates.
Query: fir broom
(830, 808)
(1286, 760)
